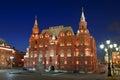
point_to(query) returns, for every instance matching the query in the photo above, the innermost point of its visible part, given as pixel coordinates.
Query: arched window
(51, 53)
(62, 53)
(76, 53)
(68, 53)
(68, 33)
(47, 35)
(87, 52)
(62, 34)
(41, 36)
(31, 54)
(87, 42)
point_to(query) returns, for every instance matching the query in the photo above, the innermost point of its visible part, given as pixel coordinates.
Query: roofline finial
(82, 15)
(36, 23)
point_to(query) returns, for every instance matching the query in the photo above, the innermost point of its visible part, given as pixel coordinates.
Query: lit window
(81, 31)
(55, 62)
(69, 44)
(69, 53)
(40, 45)
(76, 52)
(65, 62)
(32, 35)
(3, 63)
(41, 36)
(52, 53)
(46, 35)
(87, 52)
(35, 55)
(36, 36)
(77, 62)
(34, 62)
(62, 34)
(86, 62)
(81, 52)
(62, 44)
(31, 55)
(53, 37)
(46, 62)
(35, 46)
(62, 53)
(45, 45)
(68, 33)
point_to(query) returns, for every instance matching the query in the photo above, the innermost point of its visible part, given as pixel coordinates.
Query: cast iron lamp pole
(108, 49)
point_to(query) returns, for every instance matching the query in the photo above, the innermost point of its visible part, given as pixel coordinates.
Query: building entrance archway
(51, 68)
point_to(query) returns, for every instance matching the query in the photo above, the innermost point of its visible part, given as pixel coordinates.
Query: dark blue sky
(17, 18)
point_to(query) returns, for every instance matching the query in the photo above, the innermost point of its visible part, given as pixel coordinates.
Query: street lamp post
(109, 49)
(11, 60)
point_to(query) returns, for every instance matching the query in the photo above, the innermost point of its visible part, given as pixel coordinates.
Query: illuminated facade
(59, 48)
(116, 59)
(6, 52)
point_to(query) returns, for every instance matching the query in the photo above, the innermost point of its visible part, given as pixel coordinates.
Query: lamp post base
(109, 71)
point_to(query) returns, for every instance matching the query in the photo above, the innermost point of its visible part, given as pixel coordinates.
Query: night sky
(17, 18)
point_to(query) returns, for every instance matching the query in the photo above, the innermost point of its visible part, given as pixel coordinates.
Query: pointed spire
(82, 15)
(36, 22)
(35, 27)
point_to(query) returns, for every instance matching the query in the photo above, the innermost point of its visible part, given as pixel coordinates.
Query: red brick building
(18, 59)
(6, 51)
(60, 49)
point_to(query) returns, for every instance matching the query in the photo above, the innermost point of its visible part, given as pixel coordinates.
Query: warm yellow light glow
(22, 59)
(61, 44)
(55, 62)
(46, 62)
(35, 55)
(86, 62)
(40, 45)
(6, 49)
(65, 62)
(77, 62)
(34, 62)
(77, 53)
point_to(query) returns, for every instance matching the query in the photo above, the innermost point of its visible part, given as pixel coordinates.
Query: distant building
(6, 51)
(58, 48)
(116, 59)
(18, 59)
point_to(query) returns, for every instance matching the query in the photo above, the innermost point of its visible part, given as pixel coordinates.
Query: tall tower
(35, 27)
(82, 24)
(35, 32)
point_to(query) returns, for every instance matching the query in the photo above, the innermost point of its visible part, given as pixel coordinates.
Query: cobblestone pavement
(6, 75)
